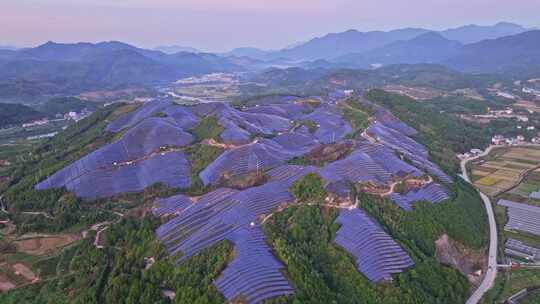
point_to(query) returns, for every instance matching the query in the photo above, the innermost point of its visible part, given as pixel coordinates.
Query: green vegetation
(458, 105)
(116, 274)
(310, 125)
(200, 156)
(358, 120)
(302, 238)
(462, 217)
(207, 128)
(532, 298)
(12, 114)
(511, 283)
(61, 105)
(64, 209)
(309, 189)
(357, 115)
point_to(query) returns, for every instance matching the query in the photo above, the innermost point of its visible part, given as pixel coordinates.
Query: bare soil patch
(330, 152)
(471, 263)
(24, 271)
(42, 245)
(5, 284)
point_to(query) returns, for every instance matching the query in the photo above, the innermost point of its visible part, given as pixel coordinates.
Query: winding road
(491, 273)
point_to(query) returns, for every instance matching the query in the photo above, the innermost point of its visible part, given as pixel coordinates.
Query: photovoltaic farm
(272, 142)
(522, 217)
(377, 255)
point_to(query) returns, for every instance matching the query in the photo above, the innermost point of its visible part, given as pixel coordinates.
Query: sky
(220, 25)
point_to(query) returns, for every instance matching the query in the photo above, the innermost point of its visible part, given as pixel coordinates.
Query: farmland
(513, 171)
(511, 174)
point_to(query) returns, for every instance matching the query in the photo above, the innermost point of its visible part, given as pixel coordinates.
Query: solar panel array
(297, 143)
(170, 169)
(522, 217)
(377, 164)
(254, 274)
(519, 246)
(331, 125)
(255, 157)
(386, 118)
(433, 193)
(128, 164)
(377, 255)
(131, 119)
(171, 205)
(217, 214)
(290, 111)
(414, 151)
(138, 160)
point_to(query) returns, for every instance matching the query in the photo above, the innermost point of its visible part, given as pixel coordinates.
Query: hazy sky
(218, 25)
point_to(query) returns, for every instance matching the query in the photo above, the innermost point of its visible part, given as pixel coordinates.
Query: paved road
(491, 273)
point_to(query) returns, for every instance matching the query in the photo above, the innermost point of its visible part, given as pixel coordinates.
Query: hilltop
(286, 181)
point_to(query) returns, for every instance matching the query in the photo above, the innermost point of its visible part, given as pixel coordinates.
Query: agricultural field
(513, 171)
(510, 173)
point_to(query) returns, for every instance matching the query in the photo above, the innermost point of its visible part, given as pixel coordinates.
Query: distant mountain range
(476, 33)
(172, 49)
(517, 54)
(56, 68)
(353, 42)
(84, 66)
(7, 47)
(430, 47)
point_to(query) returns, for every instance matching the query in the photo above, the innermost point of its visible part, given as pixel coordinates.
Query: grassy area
(517, 280)
(357, 116)
(200, 156)
(532, 298)
(207, 128)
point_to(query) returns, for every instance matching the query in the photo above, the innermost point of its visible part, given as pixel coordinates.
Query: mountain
(7, 47)
(12, 114)
(254, 53)
(81, 66)
(476, 33)
(355, 42)
(426, 48)
(512, 54)
(172, 49)
(352, 41)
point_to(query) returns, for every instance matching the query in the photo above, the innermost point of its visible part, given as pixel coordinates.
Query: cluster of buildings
(74, 116)
(512, 141)
(506, 113)
(35, 123)
(531, 91)
(77, 116)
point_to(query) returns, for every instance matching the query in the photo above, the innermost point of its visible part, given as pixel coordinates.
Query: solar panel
(377, 255)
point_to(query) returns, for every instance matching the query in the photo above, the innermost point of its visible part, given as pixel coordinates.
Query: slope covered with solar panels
(258, 138)
(432, 192)
(377, 255)
(130, 164)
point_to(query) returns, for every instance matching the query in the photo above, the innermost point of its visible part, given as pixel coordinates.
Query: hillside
(72, 68)
(518, 54)
(426, 48)
(283, 181)
(475, 33)
(14, 114)
(339, 44)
